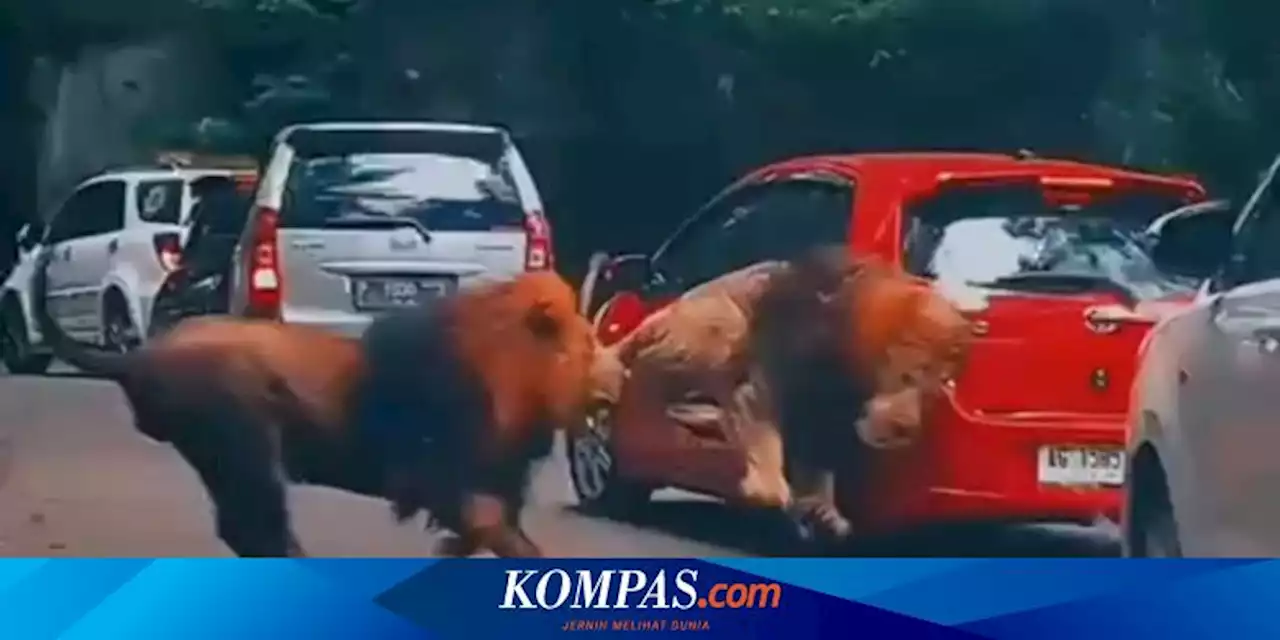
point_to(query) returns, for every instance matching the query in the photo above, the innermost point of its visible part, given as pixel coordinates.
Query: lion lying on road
(441, 410)
(809, 362)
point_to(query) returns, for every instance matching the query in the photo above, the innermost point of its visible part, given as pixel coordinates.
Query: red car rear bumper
(975, 468)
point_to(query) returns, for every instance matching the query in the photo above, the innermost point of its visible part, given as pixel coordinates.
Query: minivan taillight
(168, 246)
(264, 266)
(538, 252)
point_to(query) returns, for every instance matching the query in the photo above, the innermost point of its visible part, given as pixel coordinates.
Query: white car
(1205, 418)
(114, 240)
(352, 219)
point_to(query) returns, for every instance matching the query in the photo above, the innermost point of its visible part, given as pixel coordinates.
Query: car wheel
(15, 348)
(1156, 534)
(593, 469)
(118, 332)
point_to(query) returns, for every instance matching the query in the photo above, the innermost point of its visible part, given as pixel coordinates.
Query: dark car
(199, 284)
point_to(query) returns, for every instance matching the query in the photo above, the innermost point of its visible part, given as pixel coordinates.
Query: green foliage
(1204, 99)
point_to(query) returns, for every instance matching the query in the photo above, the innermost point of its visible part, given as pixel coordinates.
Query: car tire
(118, 332)
(1155, 532)
(594, 473)
(15, 347)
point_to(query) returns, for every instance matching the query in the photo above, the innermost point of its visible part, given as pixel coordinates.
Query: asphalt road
(76, 480)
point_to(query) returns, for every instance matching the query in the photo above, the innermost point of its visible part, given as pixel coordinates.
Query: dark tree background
(634, 110)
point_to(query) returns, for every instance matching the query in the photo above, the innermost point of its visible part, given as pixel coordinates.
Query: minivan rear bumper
(350, 324)
(972, 468)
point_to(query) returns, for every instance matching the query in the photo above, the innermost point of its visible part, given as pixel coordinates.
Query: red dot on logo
(702, 603)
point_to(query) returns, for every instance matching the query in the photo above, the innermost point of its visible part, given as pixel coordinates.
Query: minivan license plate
(396, 293)
(1081, 466)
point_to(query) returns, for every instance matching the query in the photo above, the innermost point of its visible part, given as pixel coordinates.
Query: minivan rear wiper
(1062, 283)
(364, 221)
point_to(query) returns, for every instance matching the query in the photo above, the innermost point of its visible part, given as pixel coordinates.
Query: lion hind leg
(233, 452)
(488, 522)
(812, 483)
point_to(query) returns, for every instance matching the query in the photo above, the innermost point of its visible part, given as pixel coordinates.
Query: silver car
(354, 219)
(1205, 428)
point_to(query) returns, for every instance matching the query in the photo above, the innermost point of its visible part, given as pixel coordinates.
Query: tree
(59, 29)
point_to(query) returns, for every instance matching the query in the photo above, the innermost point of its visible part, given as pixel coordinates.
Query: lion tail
(87, 357)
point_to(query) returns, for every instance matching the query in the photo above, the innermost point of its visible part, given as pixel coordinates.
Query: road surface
(76, 480)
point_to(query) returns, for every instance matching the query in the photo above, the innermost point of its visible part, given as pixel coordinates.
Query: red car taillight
(538, 251)
(264, 267)
(168, 248)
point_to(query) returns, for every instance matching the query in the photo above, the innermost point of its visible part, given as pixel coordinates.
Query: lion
(813, 361)
(442, 410)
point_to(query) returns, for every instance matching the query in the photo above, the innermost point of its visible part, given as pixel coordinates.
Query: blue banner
(140, 599)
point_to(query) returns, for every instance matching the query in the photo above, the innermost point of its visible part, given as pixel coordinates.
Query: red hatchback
(1054, 261)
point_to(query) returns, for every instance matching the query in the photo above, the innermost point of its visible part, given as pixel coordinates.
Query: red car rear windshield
(1015, 237)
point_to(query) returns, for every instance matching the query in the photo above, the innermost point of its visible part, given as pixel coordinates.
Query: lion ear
(539, 321)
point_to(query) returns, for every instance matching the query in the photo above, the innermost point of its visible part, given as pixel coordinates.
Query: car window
(94, 209)
(159, 200)
(1006, 237)
(773, 221)
(704, 248)
(104, 208)
(446, 181)
(1256, 257)
(801, 214)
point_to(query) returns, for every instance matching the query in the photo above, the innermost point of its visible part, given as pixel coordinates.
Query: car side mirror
(1193, 241)
(627, 272)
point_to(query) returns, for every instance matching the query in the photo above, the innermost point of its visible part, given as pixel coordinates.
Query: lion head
(909, 342)
(856, 340)
(535, 351)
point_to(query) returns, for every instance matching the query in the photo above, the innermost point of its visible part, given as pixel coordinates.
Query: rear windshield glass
(160, 201)
(1013, 236)
(450, 182)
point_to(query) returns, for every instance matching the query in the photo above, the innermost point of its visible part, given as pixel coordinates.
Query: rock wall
(105, 107)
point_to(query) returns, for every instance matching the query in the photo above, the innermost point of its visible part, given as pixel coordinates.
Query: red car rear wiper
(1062, 283)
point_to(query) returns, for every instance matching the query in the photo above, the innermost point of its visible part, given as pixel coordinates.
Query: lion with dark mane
(443, 409)
(813, 362)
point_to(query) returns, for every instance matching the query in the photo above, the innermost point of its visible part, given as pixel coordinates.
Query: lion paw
(454, 546)
(822, 522)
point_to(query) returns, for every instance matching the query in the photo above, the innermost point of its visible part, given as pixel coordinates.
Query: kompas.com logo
(614, 589)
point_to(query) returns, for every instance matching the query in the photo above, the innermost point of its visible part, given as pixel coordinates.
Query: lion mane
(485, 378)
(853, 351)
(477, 383)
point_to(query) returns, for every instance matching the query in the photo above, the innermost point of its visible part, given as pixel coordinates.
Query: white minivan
(352, 219)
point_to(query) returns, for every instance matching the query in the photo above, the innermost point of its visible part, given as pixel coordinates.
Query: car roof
(144, 172)
(928, 166)
(401, 125)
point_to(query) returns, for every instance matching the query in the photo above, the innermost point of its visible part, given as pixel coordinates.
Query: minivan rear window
(454, 181)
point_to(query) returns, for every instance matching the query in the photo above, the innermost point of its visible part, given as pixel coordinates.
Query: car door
(92, 253)
(1228, 403)
(79, 254)
(760, 221)
(650, 444)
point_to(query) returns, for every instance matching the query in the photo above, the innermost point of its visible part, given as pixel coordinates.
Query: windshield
(443, 192)
(1024, 242)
